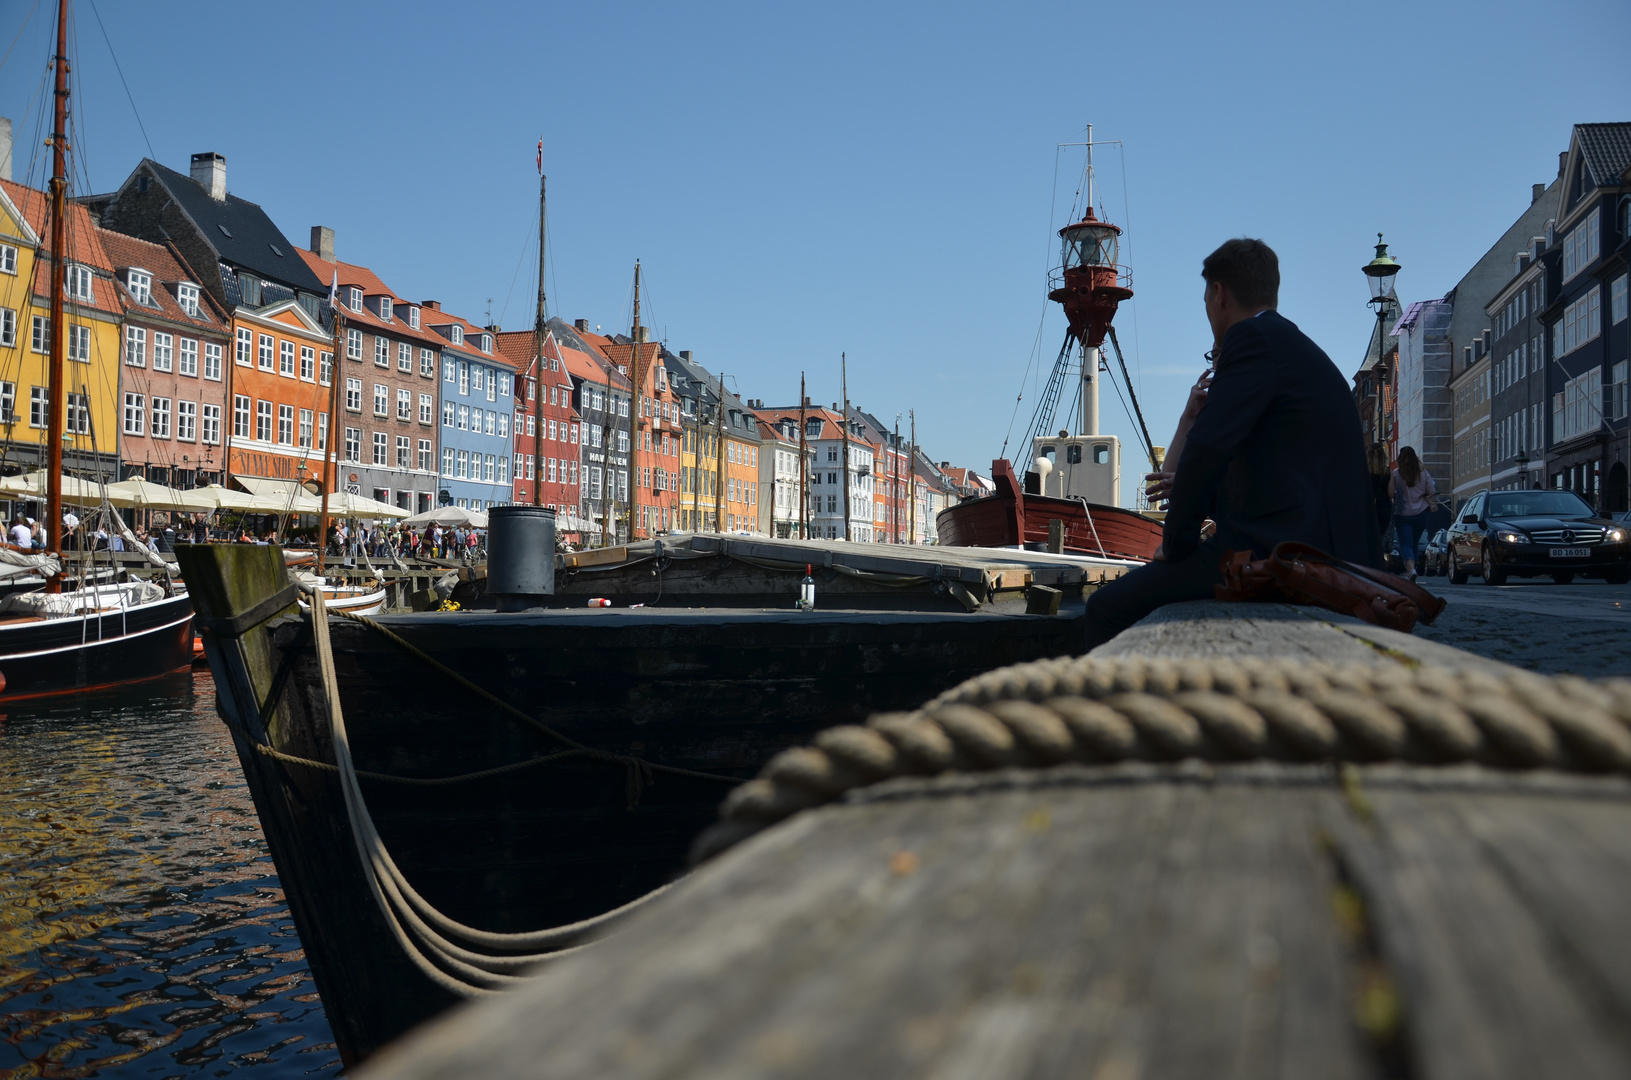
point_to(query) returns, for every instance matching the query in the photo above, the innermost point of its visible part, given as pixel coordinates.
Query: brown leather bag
(1303, 574)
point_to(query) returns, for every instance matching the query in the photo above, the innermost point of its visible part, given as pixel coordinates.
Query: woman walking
(1411, 487)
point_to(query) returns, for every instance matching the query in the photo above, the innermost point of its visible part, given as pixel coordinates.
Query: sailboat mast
(804, 474)
(331, 451)
(538, 324)
(843, 386)
(59, 246)
(636, 398)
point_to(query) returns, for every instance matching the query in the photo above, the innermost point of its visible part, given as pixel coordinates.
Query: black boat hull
(56, 656)
(717, 691)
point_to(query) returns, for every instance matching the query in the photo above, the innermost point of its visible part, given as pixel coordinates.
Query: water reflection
(142, 927)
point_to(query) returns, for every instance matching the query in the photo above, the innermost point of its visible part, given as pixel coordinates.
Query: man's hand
(1197, 395)
(1158, 486)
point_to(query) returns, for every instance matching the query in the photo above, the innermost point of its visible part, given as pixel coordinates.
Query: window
(553, 429)
(504, 382)
(305, 428)
(8, 259)
(447, 461)
(1581, 246)
(211, 432)
(37, 406)
(249, 290)
(187, 421)
(529, 466)
(135, 416)
(187, 297)
(160, 427)
(427, 363)
(520, 466)
(136, 346)
(285, 360)
(40, 334)
(1579, 408)
(504, 425)
(353, 444)
(353, 395)
(385, 308)
(449, 368)
(189, 358)
(353, 343)
(491, 419)
(574, 471)
(243, 354)
(404, 357)
(308, 363)
(78, 418)
(285, 425)
(503, 468)
(382, 352)
(77, 282)
(263, 421)
(404, 405)
(477, 377)
(380, 447)
(413, 317)
(1617, 391)
(1582, 320)
(212, 361)
(382, 399)
(1616, 301)
(264, 351)
(457, 334)
(464, 378)
(492, 386)
(8, 326)
(240, 416)
(322, 431)
(425, 455)
(79, 344)
(8, 402)
(461, 465)
(488, 467)
(427, 409)
(532, 428)
(486, 343)
(447, 414)
(464, 417)
(353, 300)
(325, 369)
(404, 452)
(140, 285)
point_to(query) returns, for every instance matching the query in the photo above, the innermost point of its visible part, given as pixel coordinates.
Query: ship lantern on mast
(1089, 283)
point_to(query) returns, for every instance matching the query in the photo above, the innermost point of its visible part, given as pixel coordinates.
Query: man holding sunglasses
(1269, 448)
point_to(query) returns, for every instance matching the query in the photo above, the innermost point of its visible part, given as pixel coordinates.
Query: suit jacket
(1276, 452)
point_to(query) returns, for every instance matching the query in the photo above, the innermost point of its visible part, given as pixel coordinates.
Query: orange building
(655, 461)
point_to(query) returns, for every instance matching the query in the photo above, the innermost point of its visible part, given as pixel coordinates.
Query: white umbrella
(450, 517)
(345, 504)
(32, 486)
(141, 494)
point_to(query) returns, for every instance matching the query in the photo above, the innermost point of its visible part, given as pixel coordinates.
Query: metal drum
(520, 556)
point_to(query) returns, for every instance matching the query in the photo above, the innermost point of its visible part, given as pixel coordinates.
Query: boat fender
(2, 682)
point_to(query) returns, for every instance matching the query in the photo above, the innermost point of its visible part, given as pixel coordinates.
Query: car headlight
(1507, 536)
(1614, 536)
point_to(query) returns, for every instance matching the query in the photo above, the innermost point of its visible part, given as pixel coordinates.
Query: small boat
(1011, 517)
(679, 665)
(357, 599)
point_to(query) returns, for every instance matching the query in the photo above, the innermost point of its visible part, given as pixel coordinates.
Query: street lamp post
(1380, 272)
(1522, 461)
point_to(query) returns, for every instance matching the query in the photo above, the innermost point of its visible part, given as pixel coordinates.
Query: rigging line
(1129, 412)
(1127, 209)
(128, 96)
(19, 36)
(1121, 358)
(520, 259)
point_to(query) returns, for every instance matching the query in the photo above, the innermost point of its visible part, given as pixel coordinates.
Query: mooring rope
(422, 932)
(1237, 709)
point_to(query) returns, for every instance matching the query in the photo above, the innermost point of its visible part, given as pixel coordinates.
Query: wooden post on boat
(911, 482)
(719, 459)
(1056, 536)
(636, 400)
(843, 380)
(804, 469)
(59, 245)
(538, 322)
(331, 455)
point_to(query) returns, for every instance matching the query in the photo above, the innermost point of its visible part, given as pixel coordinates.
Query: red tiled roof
(516, 346)
(166, 268)
(832, 424)
(371, 285)
(83, 245)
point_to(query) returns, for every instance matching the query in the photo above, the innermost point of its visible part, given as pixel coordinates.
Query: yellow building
(92, 313)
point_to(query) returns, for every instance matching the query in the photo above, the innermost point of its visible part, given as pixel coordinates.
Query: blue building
(476, 405)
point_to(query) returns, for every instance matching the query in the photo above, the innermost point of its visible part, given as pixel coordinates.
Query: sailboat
(1074, 478)
(95, 635)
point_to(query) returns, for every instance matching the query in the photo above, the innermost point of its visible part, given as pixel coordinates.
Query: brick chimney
(1535, 192)
(5, 148)
(581, 325)
(210, 170)
(322, 242)
(434, 305)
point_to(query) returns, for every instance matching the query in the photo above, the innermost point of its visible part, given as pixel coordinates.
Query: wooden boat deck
(1188, 919)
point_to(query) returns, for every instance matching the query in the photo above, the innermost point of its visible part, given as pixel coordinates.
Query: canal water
(142, 928)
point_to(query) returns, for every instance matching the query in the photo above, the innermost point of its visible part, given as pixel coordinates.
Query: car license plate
(1570, 553)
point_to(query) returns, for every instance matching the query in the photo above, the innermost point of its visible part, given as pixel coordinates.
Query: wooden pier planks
(1120, 922)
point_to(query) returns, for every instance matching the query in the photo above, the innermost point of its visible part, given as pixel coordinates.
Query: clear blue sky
(869, 178)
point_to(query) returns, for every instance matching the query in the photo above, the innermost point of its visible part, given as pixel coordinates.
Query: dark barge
(717, 690)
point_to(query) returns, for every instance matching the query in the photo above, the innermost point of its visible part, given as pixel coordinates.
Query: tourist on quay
(1269, 446)
(435, 541)
(1411, 487)
(21, 535)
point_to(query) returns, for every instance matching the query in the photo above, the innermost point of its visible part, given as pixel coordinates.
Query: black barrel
(520, 556)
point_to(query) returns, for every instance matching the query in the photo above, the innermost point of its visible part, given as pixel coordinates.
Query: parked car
(1435, 557)
(1503, 534)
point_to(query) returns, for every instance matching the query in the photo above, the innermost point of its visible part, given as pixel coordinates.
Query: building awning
(261, 485)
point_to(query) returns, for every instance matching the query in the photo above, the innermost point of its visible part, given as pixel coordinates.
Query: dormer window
(486, 343)
(249, 290)
(353, 298)
(140, 284)
(187, 297)
(77, 281)
(457, 334)
(385, 308)
(413, 317)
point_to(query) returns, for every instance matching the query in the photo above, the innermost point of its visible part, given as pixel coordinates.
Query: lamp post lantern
(1379, 273)
(1522, 461)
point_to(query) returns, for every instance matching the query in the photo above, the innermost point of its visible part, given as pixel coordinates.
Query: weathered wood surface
(1121, 921)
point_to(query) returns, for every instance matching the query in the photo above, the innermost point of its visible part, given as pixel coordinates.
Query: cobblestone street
(1584, 628)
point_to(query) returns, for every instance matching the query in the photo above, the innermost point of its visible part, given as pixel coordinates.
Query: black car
(1435, 557)
(1530, 533)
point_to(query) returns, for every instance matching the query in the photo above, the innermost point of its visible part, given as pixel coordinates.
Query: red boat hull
(1011, 517)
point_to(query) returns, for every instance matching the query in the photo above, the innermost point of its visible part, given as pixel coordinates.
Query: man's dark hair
(1248, 268)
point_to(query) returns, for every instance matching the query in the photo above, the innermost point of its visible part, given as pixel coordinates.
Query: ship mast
(636, 398)
(59, 229)
(539, 321)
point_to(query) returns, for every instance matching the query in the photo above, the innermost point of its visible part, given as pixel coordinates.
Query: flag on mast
(540, 155)
(334, 291)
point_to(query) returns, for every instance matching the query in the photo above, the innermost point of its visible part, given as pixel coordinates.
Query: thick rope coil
(1154, 709)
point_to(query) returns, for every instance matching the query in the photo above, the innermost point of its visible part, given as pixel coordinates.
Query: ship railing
(1056, 276)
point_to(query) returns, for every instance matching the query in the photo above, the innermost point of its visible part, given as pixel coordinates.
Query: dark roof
(1607, 150)
(240, 232)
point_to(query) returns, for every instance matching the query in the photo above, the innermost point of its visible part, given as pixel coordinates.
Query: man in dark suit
(1269, 448)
